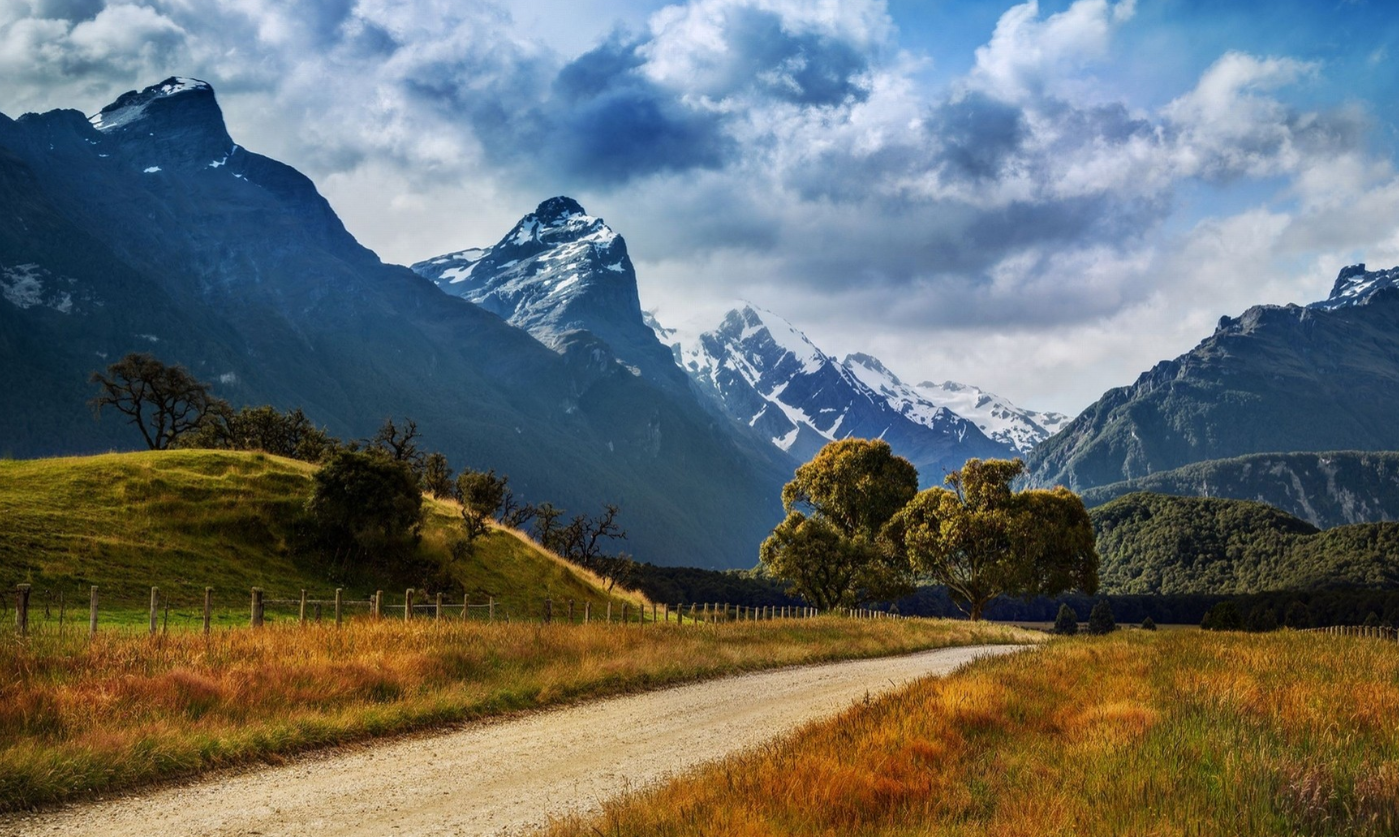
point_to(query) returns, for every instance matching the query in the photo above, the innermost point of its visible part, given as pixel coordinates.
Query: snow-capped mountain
(768, 375)
(999, 419)
(1354, 285)
(558, 273)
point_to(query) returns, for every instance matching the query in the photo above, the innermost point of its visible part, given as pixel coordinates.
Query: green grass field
(184, 520)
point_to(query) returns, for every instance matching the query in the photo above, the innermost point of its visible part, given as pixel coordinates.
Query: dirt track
(501, 777)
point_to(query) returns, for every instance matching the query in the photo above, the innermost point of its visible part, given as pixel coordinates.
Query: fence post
(92, 611)
(653, 613)
(624, 613)
(609, 611)
(666, 611)
(22, 609)
(302, 617)
(438, 614)
(407, 604)
(570, 611)
(548, 611)
(338, 593)
(155, 607)
(208, 607)
(587, 611)
(257, 607)
(378, 603)
(491, 605)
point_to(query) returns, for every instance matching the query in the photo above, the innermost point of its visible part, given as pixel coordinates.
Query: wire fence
(47, 614)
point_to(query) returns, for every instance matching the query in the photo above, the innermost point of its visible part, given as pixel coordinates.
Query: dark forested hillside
(1154, 543)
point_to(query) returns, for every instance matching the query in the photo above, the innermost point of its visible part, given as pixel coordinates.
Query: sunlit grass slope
(1182, 733)
(184, 520)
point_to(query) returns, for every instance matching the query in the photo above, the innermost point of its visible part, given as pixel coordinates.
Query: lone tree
(481, 493)
(827, 549)
(979, 538)
(164, 402)
(1100, 620)
(1066, 623)
(367, 507)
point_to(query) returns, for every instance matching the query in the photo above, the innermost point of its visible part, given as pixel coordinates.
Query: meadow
(82, 715)
(1181, 733)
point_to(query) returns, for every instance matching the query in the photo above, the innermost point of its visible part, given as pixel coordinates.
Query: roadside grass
(184, 520)
(1186, 733)
(81, 716)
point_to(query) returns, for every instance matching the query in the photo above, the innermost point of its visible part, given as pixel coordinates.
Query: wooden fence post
(587, 611)
(339, 591)
(666, 611)
(653, 613)
(438, 614)
(570, 611)
(407, 604)
(491, 604)
(302, 617)
(609, 611)
(548, 611)
(257, 607)
(208, 607)
(92, 611)
(155, 609)
(378, 603)
(22, 609)
(624, 613)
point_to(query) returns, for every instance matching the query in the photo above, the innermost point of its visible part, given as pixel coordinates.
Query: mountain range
(147, 228)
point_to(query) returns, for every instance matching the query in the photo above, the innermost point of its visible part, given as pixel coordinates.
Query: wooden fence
(1367, 631)
(308, 609)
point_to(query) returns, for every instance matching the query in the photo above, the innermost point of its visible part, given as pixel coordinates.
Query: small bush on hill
(1100, 621)
(1148, 625)
(1066, 624)
(1222, 617)
(366, 508)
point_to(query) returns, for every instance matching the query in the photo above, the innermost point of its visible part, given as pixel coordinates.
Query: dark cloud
(976, 135)
(804, 69)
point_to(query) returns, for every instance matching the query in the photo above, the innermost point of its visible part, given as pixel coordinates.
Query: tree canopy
(980, 538)
(367, 508)
(827, 549)
(164, 402)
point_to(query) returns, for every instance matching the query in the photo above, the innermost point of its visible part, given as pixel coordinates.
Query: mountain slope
(996, 417)
(767, 375)
(1278, 378)
(1158, 544)
(1328, 489)
(146, 229)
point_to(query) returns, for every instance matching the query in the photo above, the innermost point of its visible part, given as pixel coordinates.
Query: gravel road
(499, 777)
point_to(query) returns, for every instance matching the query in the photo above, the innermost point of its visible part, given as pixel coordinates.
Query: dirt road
(502, 777)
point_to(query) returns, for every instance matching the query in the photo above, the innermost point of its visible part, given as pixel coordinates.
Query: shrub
(365, 507)
(1100, 621)
(1066, 624)
(1222, 617)
(1297, 615)
(1148, 625)
(1262, 619)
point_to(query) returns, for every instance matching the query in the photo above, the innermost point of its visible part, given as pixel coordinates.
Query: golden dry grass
(80, 715)
(1184, 733)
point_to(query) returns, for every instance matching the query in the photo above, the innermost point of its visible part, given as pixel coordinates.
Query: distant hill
(1328, 489)
(1159, 544)
(184, 520)
(1278, 378)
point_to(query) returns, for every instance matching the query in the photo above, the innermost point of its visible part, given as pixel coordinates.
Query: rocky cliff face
(1277, 378)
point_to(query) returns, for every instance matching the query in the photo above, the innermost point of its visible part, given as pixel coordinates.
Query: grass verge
(81, 716)
(1183, 733)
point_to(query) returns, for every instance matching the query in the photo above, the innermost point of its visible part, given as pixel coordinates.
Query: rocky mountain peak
(558, 210)
(176, 121)
(1354, 285)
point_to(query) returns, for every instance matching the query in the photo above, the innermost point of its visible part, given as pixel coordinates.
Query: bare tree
(400, 443)
(514, 513)
(163, 402)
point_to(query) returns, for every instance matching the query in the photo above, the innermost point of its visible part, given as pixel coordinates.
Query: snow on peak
(131, 106)
(757, 320)
(1355, 284)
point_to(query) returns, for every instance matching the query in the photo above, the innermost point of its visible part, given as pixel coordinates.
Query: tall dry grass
(80, 715)
(1183, 733)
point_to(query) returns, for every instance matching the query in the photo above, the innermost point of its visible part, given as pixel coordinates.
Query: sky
(1041, 199)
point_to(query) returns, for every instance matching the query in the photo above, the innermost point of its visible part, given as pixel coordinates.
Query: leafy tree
(1262, 619)
(1372, 620)
(1066, 623)
(437, 475)
(367, 509)
(827, 549)
(164, 402)
(1148, 624)
(1222, 617)
(979, 538)
(288, 434)
(1297, 615)
(481, 493)
(1100, 620)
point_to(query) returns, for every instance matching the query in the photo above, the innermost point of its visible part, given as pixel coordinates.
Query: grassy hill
(184, 520)
(1160, 544)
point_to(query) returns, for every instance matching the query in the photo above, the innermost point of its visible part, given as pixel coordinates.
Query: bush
(1222, 617)
(1100, 621)
(366, 508)
(1262, 619)
(1148, 625)
(1372, 620)
(1066, 623)
(1297, 615)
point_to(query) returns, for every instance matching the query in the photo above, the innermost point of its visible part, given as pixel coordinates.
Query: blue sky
(1042, 199)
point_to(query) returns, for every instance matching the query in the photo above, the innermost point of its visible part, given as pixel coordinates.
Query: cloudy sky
(1042, 199)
